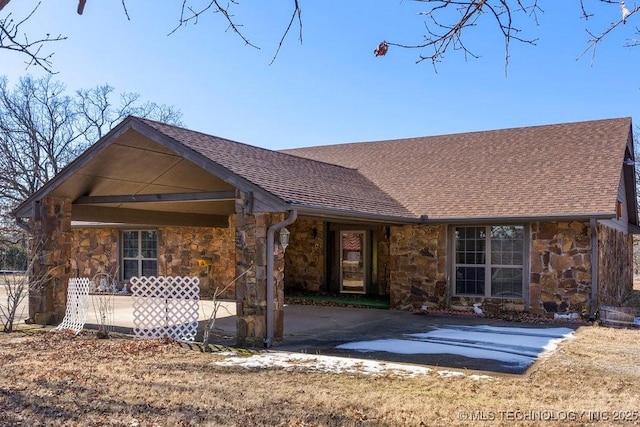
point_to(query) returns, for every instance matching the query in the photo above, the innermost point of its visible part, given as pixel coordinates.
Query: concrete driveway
(463, 342)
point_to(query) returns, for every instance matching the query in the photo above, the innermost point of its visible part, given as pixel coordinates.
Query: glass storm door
(352, 262)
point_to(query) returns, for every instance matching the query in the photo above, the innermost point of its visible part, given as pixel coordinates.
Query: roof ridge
(491, 131)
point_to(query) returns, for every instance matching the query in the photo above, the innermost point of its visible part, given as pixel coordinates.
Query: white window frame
(487, 264)
(139, 258)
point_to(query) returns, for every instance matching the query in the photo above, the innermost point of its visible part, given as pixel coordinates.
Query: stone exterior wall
(418, 268)
(305, 259)
(180, 249)
(51, 243)
(96, 250)
(615, 266)
(560, 267)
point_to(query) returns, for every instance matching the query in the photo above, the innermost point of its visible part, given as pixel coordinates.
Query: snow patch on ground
(329, 364)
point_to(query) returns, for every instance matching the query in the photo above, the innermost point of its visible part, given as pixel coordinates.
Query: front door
(353, 262)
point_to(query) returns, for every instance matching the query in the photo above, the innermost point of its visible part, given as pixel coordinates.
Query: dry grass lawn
(59, 379)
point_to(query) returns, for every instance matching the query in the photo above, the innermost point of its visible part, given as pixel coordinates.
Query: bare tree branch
(445, 32)
(10, 40)
(126, 12)
(594, 39)
(81, 4)
(189, 14)
(297, 13)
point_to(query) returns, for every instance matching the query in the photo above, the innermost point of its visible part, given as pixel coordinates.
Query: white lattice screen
(75, 315)
(165, 306)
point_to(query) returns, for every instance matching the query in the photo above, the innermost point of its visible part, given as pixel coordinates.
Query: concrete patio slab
(321, 330)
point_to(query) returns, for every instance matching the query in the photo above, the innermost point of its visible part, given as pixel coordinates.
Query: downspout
(271, 231)
(594, 269)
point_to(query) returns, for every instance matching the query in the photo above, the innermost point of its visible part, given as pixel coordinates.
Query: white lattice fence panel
(165, 306)
(75, 315)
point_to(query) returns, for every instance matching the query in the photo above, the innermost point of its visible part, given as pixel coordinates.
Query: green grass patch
(338, 300)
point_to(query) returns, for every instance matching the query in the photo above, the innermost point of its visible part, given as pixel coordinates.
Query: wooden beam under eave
(158, 198)
(136, 216)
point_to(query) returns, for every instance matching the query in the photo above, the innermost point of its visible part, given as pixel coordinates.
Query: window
(139, 253)
(489, 261)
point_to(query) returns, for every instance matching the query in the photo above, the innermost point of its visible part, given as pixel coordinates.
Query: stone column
(251, 296)
(50, 248)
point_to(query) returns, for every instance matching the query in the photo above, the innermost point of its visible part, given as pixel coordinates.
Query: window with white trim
(139, 253)
(489, 261)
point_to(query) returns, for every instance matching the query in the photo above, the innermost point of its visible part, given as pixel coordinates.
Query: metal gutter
(514, 219)
(271, 231)
(425, 219)
(341, 214)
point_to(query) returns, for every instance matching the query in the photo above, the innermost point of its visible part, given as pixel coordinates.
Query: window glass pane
(507, 245)
(518, 257)
(470, 245)
(506, 282)
(149, 268)
(149, 244)
(130, 269)
(505, 260)
(130, 244)
(470, 280)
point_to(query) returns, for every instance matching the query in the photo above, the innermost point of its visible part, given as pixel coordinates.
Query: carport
(146, 175)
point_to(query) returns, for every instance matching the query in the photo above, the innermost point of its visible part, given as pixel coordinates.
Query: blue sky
(332, 89)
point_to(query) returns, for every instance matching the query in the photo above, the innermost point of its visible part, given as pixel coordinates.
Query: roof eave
(341, 214)
(424, 219)
(521, 218)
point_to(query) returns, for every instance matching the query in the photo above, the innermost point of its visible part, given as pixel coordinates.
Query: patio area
(461, 342)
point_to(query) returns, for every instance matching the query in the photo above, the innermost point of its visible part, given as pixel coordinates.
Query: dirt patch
(60, 379)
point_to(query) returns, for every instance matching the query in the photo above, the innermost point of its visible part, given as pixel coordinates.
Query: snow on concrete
(513, 346)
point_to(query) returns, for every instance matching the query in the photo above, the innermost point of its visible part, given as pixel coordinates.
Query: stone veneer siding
(305, 256)
(96, 250)
(251, 273)
(182, 247)
(560, 267)
(51, 243)
(418, 268)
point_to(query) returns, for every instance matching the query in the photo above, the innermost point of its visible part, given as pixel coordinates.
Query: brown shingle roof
(555, 170)
(293, 179)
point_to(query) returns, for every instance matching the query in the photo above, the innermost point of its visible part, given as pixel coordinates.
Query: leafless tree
(15, 289)
(216, 306)
(42, 129)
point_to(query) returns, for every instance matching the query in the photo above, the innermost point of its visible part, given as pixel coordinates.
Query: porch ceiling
(135, 165)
